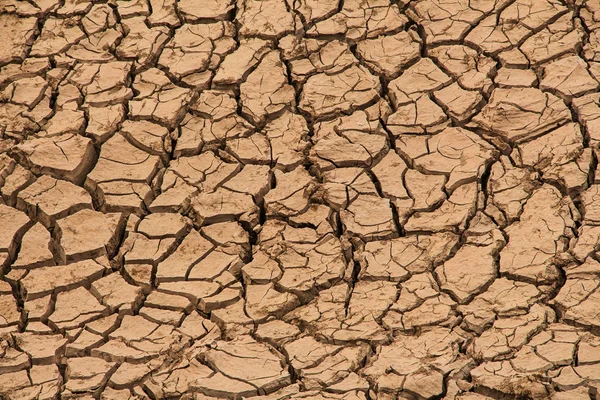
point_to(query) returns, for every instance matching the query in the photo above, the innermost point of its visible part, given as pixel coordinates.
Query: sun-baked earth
(299, 199)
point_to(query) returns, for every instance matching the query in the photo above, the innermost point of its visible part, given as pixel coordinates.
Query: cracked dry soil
(300, 199)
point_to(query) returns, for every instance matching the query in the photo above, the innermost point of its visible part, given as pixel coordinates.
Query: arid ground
(299, 199)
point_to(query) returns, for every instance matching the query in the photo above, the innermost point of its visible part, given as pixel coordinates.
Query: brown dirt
(308, 199)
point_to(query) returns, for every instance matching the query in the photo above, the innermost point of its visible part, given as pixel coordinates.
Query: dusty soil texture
(299, 199)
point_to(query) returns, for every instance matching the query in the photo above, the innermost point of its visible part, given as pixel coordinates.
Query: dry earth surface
(300, 199)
